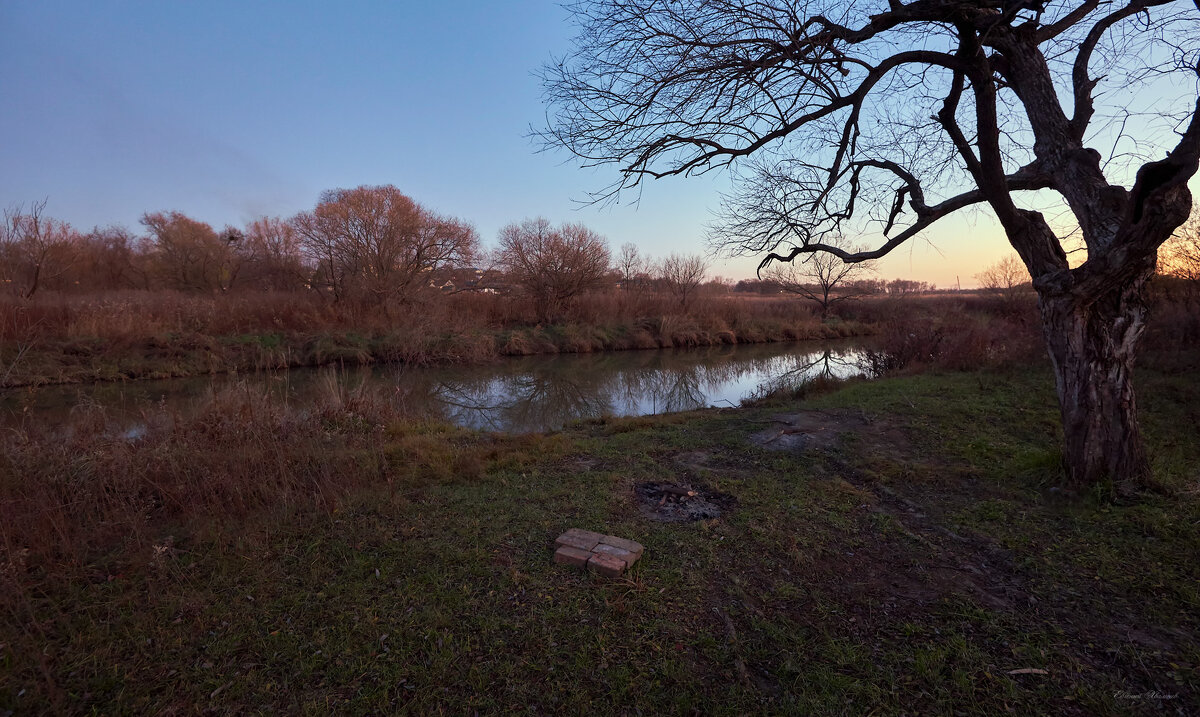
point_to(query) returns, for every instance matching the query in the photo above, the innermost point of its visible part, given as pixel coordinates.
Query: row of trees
(369, 245)
(376, 246)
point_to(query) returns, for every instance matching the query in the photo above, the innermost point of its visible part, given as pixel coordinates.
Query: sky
(228, 111)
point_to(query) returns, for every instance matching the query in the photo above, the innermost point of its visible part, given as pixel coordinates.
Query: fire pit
(681, 503)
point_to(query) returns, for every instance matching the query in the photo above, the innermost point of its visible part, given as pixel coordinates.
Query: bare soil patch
(807, 431)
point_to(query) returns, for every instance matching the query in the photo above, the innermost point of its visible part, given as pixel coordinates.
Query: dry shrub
(993, 343)
(578, 338)
(955, 338)
(679, 330)
(640, 338)
(76, 491)
(24, 320)
(142, 314)
(517, 344)
(899, 346)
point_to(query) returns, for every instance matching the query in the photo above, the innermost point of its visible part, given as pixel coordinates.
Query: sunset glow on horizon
(228, 112)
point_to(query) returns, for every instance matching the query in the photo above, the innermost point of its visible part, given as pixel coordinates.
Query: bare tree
(904, 287)
(849, 117)
(189, 254)
(271, 255)
(553, 265)
(682, 275)
(1006, 278)
(112, 258)
(375, 244)
(871, 287)
(822, 278)
(630, 265)
(34, 249)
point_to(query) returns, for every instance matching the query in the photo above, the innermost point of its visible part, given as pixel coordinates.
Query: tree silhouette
(847, 116)
(822, 278)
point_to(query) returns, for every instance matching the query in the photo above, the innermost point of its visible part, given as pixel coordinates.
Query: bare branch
(836, 115)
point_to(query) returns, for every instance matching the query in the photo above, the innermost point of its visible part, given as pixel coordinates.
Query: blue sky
(229, 111)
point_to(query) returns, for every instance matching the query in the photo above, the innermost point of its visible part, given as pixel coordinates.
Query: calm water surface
(515, 395)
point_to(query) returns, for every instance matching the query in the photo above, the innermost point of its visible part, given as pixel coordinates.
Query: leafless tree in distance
(34, 249)
(881, 117)
(271, 255)
(553, 265)
(682, 275)
(189, 254)
(630, 265)
(822, 278)
(1005, 278)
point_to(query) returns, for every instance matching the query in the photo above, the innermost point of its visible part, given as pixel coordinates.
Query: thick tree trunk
(1091, 345)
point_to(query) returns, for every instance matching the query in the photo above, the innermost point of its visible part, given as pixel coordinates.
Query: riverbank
(79, 342)
(182, 355)
(891, 546)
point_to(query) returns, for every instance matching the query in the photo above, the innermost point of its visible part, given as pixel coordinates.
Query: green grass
(908, 569)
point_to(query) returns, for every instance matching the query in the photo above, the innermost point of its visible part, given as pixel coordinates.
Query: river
(513, 395)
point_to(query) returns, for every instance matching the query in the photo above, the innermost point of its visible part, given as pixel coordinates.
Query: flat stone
(572, 556)
(622, 543)
(577, 538)
(606, 565)
(619, 553)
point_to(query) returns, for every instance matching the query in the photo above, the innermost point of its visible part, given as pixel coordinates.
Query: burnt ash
(681, 502)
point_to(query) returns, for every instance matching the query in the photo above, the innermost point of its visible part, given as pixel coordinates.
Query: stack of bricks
(607, 555)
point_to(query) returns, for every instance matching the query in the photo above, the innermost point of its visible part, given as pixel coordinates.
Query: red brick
(631, 546)
(576, 538)
(571, 556)
(606, 565)
(619, 553)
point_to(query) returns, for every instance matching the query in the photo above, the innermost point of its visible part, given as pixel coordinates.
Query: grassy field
(896, 547)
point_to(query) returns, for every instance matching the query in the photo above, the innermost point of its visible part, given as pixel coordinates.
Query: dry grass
(957, 333)
(126, 335)
(135, 314)
(77, 492)
(89, 495)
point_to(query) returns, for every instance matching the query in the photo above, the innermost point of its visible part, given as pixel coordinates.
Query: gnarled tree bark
(1092, 348)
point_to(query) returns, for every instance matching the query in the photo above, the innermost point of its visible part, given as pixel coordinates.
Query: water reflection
(826, 364)
(543, 393)
(527, 394)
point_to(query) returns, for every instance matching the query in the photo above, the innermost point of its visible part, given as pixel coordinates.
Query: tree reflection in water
(534, 401)
(533, 393)
(826, 364)
(545, 393)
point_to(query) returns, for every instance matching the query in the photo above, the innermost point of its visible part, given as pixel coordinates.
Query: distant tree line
(773, 284)
(375, 246)
(371, 246)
